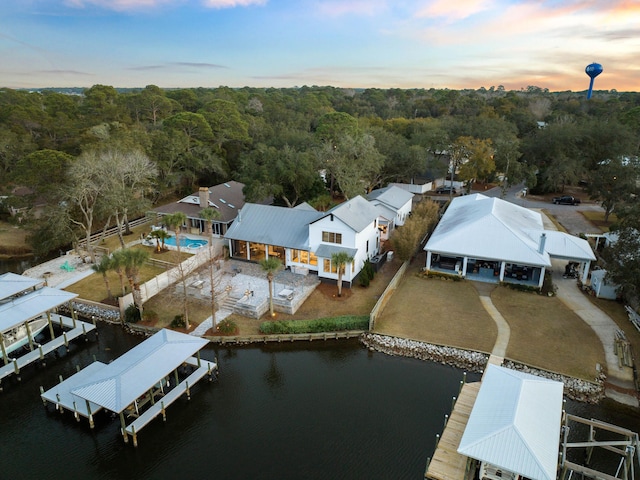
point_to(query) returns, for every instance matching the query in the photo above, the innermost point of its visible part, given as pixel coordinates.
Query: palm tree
(175, 221)
(117, 264)
(103, 267)
(270, 265)
(340, 260)
(210, 214)
(133, 259)
(160, 236)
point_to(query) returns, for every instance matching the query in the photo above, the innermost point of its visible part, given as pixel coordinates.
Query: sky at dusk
(345, 43)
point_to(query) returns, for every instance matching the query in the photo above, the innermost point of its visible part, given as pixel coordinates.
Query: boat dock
(140, 384)
(25, 302)
(76, 328)
(447, 463)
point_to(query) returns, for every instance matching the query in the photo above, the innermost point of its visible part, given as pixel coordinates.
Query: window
(327, 267)
(331, 237)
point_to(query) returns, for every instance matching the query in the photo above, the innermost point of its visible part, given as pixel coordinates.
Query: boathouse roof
(11, 284)
(32, 305)
(121, 382)
(515, 423)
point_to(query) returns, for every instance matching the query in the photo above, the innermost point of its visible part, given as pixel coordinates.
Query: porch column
(464, 266)
(428, 266)
(248, 249)
(585, 271)
(503, 265)
(541, 281)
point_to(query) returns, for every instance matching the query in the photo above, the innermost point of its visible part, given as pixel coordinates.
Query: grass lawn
(438, 311)
(170, 304)
(546, 334)
(13, 240)
(597, 219)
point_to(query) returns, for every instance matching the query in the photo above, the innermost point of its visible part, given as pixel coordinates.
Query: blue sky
(345, 43)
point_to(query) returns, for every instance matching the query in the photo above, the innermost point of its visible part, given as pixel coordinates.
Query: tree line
(106, 155)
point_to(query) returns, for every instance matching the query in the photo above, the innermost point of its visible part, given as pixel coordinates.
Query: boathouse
(27, 308)
(137, 386)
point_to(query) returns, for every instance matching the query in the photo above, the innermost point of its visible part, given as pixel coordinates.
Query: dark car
(566, 200)
(446, 189)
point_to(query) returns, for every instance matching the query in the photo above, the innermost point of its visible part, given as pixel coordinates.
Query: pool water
(186, 242)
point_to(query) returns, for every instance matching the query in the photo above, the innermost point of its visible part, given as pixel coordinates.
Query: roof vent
(222, 200)
(232, 206)
(227, 185)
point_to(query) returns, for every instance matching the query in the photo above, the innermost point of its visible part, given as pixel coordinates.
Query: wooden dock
(447, 463)
(159, 407)
(76, 328)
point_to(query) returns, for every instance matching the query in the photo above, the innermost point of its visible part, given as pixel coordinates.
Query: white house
(305, 239)
(491, 240)
(394, 205)
(601, 287)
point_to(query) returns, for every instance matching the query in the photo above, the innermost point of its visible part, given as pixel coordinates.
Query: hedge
(319, 325)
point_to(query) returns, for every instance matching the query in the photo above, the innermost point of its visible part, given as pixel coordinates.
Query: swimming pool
(186, 242)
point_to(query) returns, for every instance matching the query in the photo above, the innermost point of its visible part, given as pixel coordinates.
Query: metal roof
(325, 251)
(12, 284)
(515, 423)
(357, 213)
(481, 227)
(121, 382)
(271, 225)
(568, 247)
(392, 196)
(32, 305)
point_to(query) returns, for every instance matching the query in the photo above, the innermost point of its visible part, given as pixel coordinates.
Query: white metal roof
(32, 305)
(121, 382)
(394, 197)
(568, 247)
(515, 423)
(357, 213)
(326, 251)
(481, 227)
(12, 284)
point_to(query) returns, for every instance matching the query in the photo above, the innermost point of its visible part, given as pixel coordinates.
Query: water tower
(593, 71)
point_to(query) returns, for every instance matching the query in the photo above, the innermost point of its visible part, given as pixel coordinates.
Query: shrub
(178, 322)
(367, 273)
(227, 327)
(150, 316)
(319, 325)
(132, 314)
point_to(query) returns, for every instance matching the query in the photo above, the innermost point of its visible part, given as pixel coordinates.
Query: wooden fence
(386, 295)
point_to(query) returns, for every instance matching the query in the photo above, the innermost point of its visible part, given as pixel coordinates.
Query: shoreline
(574, 388)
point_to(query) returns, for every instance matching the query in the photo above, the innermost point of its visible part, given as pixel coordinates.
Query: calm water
(289, 411)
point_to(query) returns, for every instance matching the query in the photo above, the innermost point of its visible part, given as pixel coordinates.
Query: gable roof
(281, 226)
(481, 227)
(515, 423)
(12, 284)
(26, 307)
(392, 196)
(357, 213)
(568, 247)
(227, 198)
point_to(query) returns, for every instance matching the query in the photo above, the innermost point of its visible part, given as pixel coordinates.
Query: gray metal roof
(357, 213)
(11, 284)
(271, 225)
(515, 423)
(32, 305)
(325, 251)
(120, 383)
(394, 197)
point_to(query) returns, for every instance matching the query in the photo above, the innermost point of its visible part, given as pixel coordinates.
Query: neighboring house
(491, 240)
(394, 205)
(227, 198)
(601, 287)
(23, 201)
(305, 239)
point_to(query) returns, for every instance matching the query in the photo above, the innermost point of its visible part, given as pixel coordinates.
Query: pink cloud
(338, 8)
(454, 10)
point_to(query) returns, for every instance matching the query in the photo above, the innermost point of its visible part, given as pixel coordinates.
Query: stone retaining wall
(574, 388)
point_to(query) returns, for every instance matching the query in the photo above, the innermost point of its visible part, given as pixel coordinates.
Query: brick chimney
(203, 193)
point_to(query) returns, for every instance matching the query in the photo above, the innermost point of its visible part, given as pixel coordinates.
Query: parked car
(446, 189)
(566, 200)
